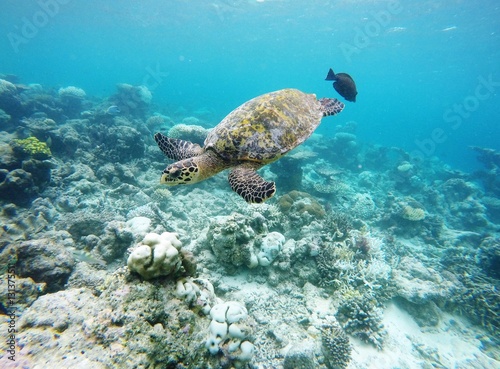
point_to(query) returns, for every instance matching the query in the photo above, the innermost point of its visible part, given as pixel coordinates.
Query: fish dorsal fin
(331, 76)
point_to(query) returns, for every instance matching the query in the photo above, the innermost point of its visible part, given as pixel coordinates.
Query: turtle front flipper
(245, 181)
(177, 149)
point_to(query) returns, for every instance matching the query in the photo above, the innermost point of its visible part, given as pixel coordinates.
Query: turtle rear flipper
(177, 149)
(245, 181)
(331, 106)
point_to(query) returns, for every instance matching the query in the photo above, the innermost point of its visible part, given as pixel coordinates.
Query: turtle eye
(176, 173)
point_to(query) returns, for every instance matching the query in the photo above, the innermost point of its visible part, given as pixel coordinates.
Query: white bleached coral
(270, 248)
(156, 255)
(71, 92)
(7, 87)
(197, 292)
(189, 132)
(230, 332)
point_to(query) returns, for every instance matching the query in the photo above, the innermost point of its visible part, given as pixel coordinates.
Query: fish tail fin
(331, 106)
(331, 76)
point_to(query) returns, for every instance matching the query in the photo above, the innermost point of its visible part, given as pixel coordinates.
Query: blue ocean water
(428, 73)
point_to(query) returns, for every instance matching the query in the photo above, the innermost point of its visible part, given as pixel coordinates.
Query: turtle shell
(267, 127)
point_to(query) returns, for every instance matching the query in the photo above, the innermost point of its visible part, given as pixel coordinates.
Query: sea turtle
(256, 133)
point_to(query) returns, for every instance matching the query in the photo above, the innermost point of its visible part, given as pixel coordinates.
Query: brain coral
(193, 133)
(414, 214)
(301, 202)
(71, 92)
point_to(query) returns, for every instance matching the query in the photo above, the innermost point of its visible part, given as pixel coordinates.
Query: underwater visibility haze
(173, 195)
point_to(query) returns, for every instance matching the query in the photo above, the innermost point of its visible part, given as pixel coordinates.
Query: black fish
(343, 84)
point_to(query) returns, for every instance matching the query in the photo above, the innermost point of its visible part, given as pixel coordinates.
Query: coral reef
(231, 239)
(301, 211)
(17, 186)
(340, 224)
(157, 255)
(238, 240)
(198, 293)
(480, 301)
(300, 357)
(192, 133)
(269, 248)
(132, 100)
(230, 332)
(44, 260)
(413, 214)
(71, 92)
(300, 202)
(418, 284)
(336, 346)
(32, 147)
(353, 266)
(71, 100)
(373, 237)
(488, 256)
(127, 325)
(362, 318)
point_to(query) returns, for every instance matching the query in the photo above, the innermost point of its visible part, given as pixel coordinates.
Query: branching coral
(340, 225)
(362, 318)
(335, 346)
(480, 300)
(344, 266)
(31, 146)
(488, 256)
(334, 264)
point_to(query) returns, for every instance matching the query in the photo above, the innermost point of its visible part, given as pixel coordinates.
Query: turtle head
(182, 172)
(195, 169)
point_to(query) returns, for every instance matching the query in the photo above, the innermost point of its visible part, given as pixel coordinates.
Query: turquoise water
(412, 61)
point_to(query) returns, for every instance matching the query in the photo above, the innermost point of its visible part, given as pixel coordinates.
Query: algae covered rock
(45, 260)
(231, 240)
(270, 247)
(17, 186)
(236, 241)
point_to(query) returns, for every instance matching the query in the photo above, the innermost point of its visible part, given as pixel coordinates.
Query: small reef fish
(343, 84)
(113, 110)
(81, 255)
(396, 29)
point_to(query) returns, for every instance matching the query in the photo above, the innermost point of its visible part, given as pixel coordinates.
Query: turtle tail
(331, 106)
(177, 149)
